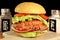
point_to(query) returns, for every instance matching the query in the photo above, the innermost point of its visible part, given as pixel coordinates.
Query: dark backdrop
(48, 4)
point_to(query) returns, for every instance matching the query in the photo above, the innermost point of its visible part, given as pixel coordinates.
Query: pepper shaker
(6, 19)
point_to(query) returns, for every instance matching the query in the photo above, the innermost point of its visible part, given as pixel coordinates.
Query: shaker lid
(55, 12)
(4, 10)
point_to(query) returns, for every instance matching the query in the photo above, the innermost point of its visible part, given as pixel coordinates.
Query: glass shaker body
(54, 21)
(6, 20)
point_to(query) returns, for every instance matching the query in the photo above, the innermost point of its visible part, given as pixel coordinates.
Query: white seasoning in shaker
(54, 21)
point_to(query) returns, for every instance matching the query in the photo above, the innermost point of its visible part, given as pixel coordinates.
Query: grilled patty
(33, 25)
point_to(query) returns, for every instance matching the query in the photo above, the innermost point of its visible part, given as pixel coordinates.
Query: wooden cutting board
(47, 36)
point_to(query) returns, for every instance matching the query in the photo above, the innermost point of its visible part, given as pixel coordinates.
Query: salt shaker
(6, 19)
(54, 21)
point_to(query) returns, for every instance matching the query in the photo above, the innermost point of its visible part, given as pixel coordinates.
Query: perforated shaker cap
(4, 10)
(55, 12)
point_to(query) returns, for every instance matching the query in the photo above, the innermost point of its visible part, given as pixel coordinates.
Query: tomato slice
(24, 14)
(20, 14)
(43, 16)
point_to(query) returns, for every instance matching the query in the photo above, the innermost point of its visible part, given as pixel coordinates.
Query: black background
(48, 4)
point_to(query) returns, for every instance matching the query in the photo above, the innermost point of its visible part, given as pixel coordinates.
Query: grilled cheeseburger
(29, 20)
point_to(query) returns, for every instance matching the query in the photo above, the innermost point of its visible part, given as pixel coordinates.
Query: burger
(29, 20)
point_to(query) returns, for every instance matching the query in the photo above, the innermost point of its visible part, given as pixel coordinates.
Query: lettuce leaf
(28, 34)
